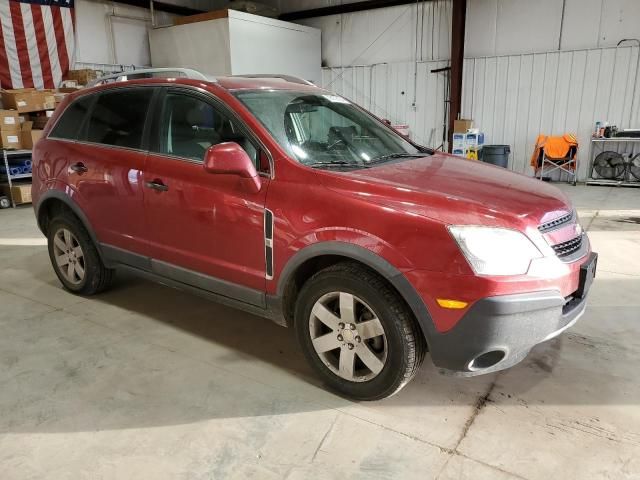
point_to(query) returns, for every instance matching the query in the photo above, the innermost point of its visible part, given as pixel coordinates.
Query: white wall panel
(185, 46)
(265, 45)
(514, 98)
(581, 24)
(505, 27)
(113, 33)
(385, 34)
(526, 26)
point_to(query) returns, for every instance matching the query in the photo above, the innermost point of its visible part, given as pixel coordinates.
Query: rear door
(106, 171)
(206, 229)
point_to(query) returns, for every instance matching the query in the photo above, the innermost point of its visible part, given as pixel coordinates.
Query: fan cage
(610, 165)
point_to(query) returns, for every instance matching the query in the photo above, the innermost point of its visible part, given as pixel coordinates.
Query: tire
(399, 350)
(4, 202)
(96, 277)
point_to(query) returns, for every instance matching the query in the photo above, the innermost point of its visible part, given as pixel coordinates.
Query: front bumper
(498, 332)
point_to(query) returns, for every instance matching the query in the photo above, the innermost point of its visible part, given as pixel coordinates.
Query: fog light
(448, 303)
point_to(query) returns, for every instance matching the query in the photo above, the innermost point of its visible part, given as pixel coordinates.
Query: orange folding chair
(556, 153)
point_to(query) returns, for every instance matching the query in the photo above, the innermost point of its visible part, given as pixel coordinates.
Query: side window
(189, 126)
(118, 117)
(70, 121)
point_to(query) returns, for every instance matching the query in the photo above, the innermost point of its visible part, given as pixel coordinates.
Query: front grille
(553, 224)
(565, 249)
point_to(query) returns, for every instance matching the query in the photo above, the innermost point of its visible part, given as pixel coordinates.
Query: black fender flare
(378, 264)
(73, 206)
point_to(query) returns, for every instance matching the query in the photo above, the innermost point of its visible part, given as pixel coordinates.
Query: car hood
(455, 190)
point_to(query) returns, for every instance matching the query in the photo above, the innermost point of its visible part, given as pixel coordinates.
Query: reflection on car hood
(456, 190)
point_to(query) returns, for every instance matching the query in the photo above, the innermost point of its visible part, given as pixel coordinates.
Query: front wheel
(357, 333)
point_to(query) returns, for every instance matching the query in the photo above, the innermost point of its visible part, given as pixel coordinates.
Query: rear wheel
(75, 258)
(357, 333)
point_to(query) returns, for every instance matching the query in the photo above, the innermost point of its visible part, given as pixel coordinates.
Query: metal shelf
(601, 147)
(20, 176)
(6, 154)
(612, 183)
(16, 153)
(616, 140)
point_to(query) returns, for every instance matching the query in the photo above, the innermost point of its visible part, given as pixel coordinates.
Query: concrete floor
(148, 382)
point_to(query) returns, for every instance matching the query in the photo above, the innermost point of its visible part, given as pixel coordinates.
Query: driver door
(205, 229)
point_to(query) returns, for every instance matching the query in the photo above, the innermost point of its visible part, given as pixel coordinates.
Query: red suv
(290, 202)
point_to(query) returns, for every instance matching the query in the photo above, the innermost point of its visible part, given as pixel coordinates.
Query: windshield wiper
(337, 164)
(390, 156)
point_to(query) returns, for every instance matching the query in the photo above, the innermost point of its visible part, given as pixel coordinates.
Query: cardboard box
(40, 121)
(462, 125)
(82, 77)
(60, 93)
(474, 139)
(20, 192)
(29, 135)
(25, 100)
(48, 101)
(68, 84)
(67, 89)
(202, 17)
(10, 140)
(458, 140)
(20, 99)
(9, 120)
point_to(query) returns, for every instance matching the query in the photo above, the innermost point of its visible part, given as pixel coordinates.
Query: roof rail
(151, 73)
(287, 78)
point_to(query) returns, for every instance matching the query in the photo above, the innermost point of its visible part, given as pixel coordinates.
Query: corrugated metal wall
(511, 98)
(387, 90)
(514, 98)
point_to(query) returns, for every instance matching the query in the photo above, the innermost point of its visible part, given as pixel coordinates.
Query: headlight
(495, 251)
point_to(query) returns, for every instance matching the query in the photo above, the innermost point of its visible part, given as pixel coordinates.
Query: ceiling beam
(344, 8)
(162, 7)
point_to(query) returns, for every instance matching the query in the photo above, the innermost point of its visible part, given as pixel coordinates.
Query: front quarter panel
(320, 215)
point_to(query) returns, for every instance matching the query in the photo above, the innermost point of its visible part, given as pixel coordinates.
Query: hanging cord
(415, 61)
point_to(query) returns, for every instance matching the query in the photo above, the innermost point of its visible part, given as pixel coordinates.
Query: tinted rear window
(68, 125)
(118, 117)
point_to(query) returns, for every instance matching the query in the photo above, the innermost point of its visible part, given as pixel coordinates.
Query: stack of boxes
(9, 129)
(467, 141)
(24, 115)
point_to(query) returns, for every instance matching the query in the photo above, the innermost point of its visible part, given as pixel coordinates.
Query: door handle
(157, 185)
(79, 167)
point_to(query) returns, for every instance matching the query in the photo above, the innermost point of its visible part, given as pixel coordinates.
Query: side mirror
(387, 121)
(230, 159)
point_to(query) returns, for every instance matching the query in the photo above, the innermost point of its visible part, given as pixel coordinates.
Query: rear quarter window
(118, 117)
(71, 120)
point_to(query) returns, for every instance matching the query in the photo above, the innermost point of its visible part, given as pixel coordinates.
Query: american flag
(37, 42)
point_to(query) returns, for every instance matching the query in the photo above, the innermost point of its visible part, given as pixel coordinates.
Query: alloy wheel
(348, 336)
(69, 256)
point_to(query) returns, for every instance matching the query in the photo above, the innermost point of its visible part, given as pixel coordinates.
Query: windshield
(323, 130)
